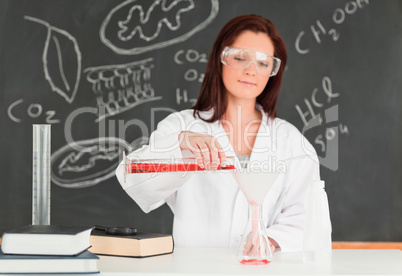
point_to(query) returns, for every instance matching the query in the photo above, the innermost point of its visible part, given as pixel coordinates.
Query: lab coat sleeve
(288, 227)
(151, 190)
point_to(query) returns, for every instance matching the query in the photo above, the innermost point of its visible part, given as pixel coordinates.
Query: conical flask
(255, 247)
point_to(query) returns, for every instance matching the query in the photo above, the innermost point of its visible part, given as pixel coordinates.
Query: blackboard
(83, 67)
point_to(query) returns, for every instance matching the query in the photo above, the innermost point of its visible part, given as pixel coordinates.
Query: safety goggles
(241, 59)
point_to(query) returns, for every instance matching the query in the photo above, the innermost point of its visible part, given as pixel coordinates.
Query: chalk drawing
(87, 162)
(121, 87)
(33, 110)
(145, 19)
(134, 21)
(58, 80)
(318, 31)
(321, 112)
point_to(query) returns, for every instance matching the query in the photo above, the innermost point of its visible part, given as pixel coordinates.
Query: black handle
(121, 231)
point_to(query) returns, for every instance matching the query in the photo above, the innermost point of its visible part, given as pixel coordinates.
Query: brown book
(139, 245)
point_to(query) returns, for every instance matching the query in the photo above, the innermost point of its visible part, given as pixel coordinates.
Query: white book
(46, 240)
(85, 262)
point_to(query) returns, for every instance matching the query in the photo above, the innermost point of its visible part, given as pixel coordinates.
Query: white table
(220, 261)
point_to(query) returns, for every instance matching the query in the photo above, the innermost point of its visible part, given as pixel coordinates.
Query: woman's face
(247, 84)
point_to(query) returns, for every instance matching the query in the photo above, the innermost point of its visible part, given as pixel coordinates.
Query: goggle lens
(241, 59)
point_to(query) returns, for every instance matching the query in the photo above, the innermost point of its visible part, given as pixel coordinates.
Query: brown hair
(212, 94)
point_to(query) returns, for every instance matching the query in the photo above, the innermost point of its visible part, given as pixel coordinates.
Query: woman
(235, 115)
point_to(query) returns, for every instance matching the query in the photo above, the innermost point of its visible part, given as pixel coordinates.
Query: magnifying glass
(122, 231)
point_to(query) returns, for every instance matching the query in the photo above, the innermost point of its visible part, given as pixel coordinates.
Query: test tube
(41, 175)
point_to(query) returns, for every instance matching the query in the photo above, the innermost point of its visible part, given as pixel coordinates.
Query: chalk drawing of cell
(138, 26)
(89, 162)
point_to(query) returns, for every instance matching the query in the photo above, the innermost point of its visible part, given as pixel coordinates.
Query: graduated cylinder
(41, 155)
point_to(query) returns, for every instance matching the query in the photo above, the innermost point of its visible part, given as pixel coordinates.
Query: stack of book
(47, 249)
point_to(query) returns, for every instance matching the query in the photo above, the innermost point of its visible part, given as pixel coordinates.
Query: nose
(251, 70)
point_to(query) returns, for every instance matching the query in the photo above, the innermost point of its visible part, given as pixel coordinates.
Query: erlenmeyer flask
(254, 247)
(255, 184)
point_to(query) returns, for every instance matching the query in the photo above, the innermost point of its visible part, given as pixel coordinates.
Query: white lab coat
(209, 209)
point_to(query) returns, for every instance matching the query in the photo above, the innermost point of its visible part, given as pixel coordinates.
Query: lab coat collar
(262, 145)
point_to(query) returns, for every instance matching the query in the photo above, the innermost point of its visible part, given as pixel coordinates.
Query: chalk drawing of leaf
(60, 48)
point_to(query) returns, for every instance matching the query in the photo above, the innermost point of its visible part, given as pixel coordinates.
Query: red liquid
(254, 262)
(154, 167)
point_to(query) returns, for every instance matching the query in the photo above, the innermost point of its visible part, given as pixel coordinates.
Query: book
(84, 263)
(139, 245)
(46, 240)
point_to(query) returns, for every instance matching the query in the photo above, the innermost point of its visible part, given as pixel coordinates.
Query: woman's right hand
(206, 148)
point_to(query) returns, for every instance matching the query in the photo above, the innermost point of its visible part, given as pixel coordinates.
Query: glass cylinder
(41, 175)
(254, 247)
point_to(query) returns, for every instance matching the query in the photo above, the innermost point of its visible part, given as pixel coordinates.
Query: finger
(198, 157)
(273, 244)
(249, 246)
(205, 153)
(182, 140)
(191, 141)
(214, 160)
(220, 156)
